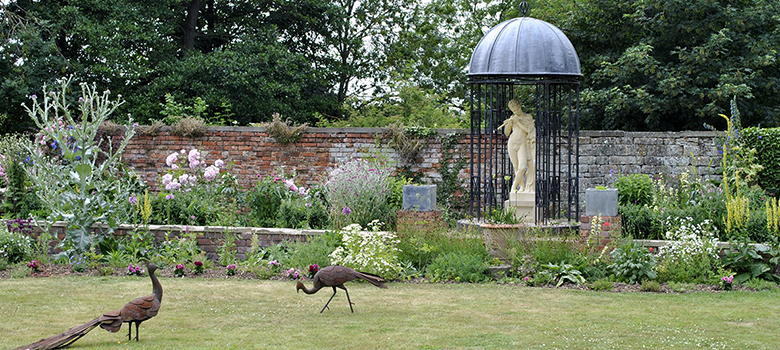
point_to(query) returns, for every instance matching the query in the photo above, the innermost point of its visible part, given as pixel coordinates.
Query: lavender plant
(358, 191)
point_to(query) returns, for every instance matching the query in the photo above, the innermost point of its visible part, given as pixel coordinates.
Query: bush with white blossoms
(689, 240)
(371, 250)
(692, 253)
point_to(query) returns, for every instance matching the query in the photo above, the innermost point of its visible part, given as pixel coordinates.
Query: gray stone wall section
(606, 154)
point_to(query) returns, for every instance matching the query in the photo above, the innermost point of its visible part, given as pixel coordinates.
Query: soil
(55, 270)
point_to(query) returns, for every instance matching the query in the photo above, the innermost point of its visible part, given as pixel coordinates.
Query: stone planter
(601, 202)
(420, 197)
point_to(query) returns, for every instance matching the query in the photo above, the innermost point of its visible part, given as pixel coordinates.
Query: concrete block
(419, 197)
(601, 202)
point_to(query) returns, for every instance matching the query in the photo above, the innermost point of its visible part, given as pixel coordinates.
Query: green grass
(261, 314)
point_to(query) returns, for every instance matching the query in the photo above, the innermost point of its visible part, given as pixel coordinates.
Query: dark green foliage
(675, 64)
(451, 192)
(19, 200)
(752, 261)
(632, 263)
(635, 189)
(300, 212)
(316, 251)
(766, 142)
(459, 267)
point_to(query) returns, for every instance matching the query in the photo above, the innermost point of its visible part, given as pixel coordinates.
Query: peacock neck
(156, 286)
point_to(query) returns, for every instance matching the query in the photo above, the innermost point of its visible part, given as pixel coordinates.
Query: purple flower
(346, 210)
(198, 264)
(169, 196)
(133, 200)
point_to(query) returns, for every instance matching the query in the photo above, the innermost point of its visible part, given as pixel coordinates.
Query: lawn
(262, 314)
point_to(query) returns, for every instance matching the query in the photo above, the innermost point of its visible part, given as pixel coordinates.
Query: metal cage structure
(532, 61)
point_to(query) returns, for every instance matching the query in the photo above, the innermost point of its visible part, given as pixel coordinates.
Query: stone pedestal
(523, 204)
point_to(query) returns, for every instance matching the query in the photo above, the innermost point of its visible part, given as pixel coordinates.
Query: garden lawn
(262, 314)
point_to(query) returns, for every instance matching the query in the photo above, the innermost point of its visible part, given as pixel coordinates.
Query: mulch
(57, 270)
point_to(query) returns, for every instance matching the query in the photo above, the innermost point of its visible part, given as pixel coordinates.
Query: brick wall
(253, 152)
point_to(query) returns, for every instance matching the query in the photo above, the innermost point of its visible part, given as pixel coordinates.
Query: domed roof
(524, 47)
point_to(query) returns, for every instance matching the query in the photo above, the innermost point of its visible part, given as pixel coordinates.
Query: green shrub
(632, 263)
(15, 247)
(303, 213)
(747, 262)
(562, 273)
(602, 284)
(766, 142)
(650, 286)
(316, 251)
(459, 267)
(635, 189)
(372, 251)
(692, 252)
(420, 248)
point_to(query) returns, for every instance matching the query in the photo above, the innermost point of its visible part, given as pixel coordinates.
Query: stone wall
(603, 154)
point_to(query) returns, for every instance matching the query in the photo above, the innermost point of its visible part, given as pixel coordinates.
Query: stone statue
(521, 146)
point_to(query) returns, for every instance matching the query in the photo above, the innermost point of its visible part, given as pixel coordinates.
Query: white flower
(219, 163)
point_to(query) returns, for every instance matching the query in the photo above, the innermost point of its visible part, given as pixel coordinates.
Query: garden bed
(59, 270)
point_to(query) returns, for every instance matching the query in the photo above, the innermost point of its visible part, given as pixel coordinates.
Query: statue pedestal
(523, 204)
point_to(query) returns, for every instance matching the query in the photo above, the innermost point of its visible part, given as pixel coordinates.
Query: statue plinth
(523, 204)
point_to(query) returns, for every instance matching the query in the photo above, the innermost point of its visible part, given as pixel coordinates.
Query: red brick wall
(252, 151)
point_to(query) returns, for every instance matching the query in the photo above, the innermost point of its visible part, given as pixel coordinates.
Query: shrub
(632, 263)
(692, 254)
(372, 251)
(635, 189)
(302, 212)
(562, 273)
(747, 262)
(420, 248)
(316, 251)
(459, 267)
(602, 284)
(650, 286)
(15, 247)
(358, 191)
(187, 183)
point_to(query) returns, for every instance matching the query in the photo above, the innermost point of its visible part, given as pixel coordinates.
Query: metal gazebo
(532, 61)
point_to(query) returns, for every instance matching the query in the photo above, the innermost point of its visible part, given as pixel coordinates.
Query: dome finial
(524, 7)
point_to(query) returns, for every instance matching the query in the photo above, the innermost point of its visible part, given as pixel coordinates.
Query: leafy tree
(675, 64)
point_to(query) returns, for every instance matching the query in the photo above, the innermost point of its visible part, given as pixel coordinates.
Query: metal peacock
(336, 276)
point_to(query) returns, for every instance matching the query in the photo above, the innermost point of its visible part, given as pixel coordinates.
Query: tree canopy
(647, 65)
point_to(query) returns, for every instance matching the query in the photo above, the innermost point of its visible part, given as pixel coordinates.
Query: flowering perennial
(690, 240)
(371, 251)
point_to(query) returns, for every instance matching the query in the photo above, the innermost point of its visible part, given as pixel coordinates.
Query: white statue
(521, 146)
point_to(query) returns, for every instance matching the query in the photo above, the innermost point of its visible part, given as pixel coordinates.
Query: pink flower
(194, 158)
(219, 163)
(290, 185)
(198, 263)
(166, 179)
(210, 173)
(172, 158)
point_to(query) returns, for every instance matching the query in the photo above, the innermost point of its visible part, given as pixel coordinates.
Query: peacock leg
(331, 298)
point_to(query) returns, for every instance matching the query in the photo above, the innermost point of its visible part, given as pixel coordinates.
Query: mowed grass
(254, 314)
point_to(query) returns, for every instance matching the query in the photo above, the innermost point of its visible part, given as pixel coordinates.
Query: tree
(676, 64)
(228, 53)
